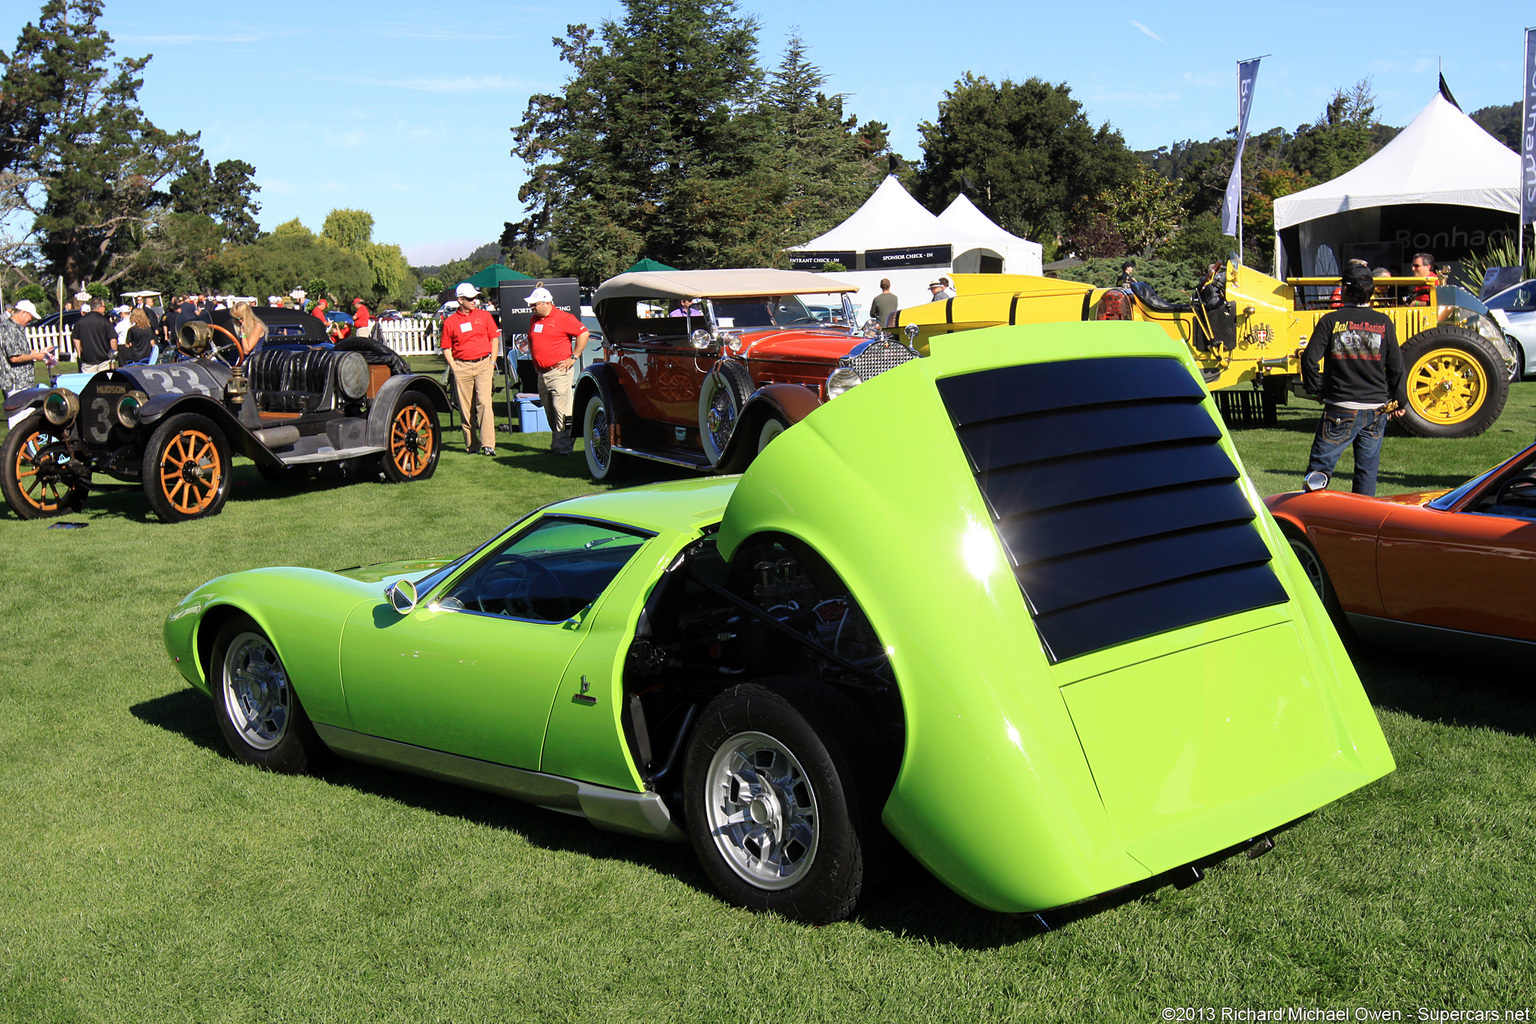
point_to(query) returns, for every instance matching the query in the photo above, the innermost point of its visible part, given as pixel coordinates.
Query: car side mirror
(1316, 480)
(401, 596)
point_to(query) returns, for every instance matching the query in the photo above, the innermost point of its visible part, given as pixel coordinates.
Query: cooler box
(530, 414)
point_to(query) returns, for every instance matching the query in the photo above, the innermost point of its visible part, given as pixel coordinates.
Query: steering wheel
(1518, 490)
(517, 578)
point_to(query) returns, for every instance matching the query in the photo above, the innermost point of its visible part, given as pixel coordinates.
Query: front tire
(186, 469)
(1317, 575)
(603, 463)
(257, 711)
(1456, 383)
(415, 442)
(40, 480)
(771, 803)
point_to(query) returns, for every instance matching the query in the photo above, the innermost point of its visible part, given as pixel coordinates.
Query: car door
(474, 668)
(1466, 571)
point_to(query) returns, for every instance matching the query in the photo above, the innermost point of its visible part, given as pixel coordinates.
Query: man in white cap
(17, 355)
(556, 340)
(470, 341)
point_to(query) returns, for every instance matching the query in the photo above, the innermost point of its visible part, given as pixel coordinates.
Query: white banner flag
(1528, 134)
(1232, 202)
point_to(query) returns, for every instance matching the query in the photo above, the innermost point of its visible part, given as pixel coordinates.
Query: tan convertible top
(675, 284)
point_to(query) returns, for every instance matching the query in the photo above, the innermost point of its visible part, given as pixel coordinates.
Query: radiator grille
(1108, 487)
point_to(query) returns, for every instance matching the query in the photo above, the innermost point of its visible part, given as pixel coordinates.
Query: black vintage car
(298, 401)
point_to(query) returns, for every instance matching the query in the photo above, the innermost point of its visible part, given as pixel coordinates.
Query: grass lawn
(146, 876)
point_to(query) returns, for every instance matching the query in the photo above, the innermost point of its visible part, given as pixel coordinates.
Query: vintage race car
(1451, 571)
(702, 368)
(1245, 327)
(297, 402)
(1070, 655)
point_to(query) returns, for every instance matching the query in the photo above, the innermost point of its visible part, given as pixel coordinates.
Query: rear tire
(722, 397)
(603, 463)
(1456, 383)
(773, 804)
(415, 442)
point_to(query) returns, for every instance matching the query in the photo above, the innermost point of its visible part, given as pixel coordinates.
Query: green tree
(178, 253)
(1503, 123)
(1024, 153)
(825, 164)
(1343, 136)
(432, 285)
(287, 258)
(1146, 210)
(655, 146)
(223, 193)
(1199, 243)
(349, 229)
(73, 123)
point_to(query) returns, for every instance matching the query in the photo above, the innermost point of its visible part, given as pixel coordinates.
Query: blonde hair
(139, 318)
(251, 326)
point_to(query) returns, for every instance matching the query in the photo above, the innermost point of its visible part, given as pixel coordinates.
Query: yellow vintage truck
(1245, 327)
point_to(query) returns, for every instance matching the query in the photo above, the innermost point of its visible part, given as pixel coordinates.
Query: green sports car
(1013, 606)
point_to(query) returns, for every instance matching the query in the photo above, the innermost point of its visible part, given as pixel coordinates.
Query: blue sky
(404, 109)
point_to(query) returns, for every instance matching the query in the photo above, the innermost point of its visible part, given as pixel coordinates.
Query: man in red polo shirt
(556, 340)
(470, 340)
(361, 318)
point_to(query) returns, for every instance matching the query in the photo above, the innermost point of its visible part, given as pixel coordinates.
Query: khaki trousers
(557, 390)
(472, 381)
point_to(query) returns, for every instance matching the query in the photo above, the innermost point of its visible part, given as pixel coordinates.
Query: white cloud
(1146, 31)
(184, 40)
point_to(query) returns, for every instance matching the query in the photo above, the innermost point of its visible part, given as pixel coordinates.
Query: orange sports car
(1453, 570)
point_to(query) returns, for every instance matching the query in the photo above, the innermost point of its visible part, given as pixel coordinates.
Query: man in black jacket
(1362, 375)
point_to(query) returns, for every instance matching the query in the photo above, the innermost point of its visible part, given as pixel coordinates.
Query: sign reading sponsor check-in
(913, 256)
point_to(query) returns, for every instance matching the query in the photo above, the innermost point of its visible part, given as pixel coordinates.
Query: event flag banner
(1232, 202)
(1528, 135)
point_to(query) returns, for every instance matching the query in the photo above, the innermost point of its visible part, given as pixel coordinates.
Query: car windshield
(1519, 299)
(778, 310)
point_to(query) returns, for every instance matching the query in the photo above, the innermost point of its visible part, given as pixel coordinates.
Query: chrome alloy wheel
(762, 811)
(256, 691)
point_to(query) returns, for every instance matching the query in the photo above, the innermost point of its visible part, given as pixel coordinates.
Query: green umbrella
(494, 274)
(648, 264)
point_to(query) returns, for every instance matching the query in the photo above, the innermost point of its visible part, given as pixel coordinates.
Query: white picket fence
(407, 337)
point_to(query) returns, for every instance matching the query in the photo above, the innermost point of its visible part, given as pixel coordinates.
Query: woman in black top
(139, 340)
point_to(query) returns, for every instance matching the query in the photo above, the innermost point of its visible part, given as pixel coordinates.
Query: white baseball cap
(539, 295)
(466, 291)
(25, 306)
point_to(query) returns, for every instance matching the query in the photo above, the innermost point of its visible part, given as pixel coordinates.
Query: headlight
(60, 406)
(701, 339)
(128, 408)
(841, 379)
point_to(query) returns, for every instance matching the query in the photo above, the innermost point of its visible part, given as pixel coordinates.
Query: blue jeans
(1336, 430)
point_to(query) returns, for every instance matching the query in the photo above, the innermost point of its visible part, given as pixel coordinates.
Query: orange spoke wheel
(41, 479)
(186, 469)
(414, 442)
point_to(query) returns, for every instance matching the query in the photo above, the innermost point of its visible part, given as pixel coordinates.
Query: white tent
(1020, 255)
(1443, 158)
(893, 236)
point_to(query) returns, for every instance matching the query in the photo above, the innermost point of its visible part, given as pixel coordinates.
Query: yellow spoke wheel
(41, 480)
(1446, 386)
(186, 469)
(1456, 383)
(415, 442)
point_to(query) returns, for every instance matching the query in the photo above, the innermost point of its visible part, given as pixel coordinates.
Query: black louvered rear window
(1113, 497)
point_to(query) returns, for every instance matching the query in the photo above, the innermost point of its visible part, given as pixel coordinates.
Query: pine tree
(71, 118)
